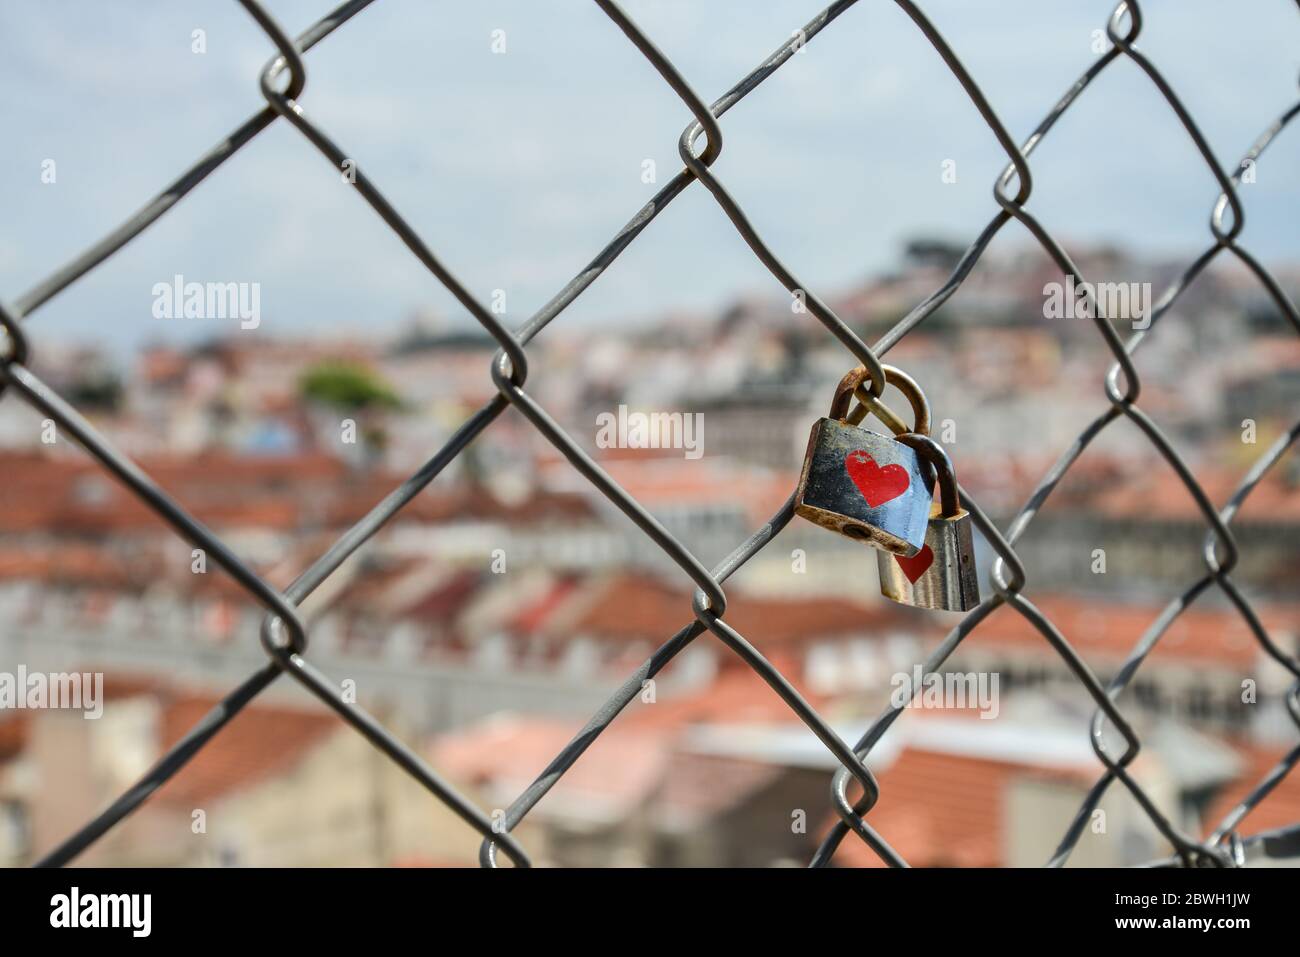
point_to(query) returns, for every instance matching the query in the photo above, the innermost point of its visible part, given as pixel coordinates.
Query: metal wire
(285, 637)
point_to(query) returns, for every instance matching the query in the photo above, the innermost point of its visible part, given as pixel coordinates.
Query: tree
(347, 386)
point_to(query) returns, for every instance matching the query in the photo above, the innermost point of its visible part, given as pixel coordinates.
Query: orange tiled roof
(938, 810)
(509, 751)
(83, 565)
(641, 607)
(258, 743)
(71, 494)
(1281, 808)
(702, 786)
(13, 736)
(1209, 635)
(1157, 494)
(676, 481)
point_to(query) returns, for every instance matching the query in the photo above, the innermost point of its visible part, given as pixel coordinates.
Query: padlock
(863, 484)
(942, 574)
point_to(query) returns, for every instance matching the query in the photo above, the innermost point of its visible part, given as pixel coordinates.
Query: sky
(518, 167)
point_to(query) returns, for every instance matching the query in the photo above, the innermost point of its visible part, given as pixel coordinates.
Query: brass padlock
(863, 484)
(942, 574)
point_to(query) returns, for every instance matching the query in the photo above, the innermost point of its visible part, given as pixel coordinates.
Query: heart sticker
(877, 484)
(915, 566)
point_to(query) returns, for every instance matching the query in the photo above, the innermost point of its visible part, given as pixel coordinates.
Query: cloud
(518, 168)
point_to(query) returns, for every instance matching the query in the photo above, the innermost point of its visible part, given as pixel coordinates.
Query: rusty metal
(942, 575)
(861, 484)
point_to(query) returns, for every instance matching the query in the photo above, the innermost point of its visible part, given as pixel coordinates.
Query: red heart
(915, 566)
(878, 485)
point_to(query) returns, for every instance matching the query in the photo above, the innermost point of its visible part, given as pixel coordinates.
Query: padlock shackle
(934, 453)
(893, 376)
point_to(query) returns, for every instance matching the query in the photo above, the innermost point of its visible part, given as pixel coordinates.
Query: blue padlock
(865, 485)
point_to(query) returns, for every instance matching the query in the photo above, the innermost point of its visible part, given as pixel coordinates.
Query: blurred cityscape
(501, 608)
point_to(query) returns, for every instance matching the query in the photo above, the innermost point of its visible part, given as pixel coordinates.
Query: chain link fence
(854, 788)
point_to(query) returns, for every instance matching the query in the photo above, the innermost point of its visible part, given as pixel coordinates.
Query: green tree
(347, 386)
